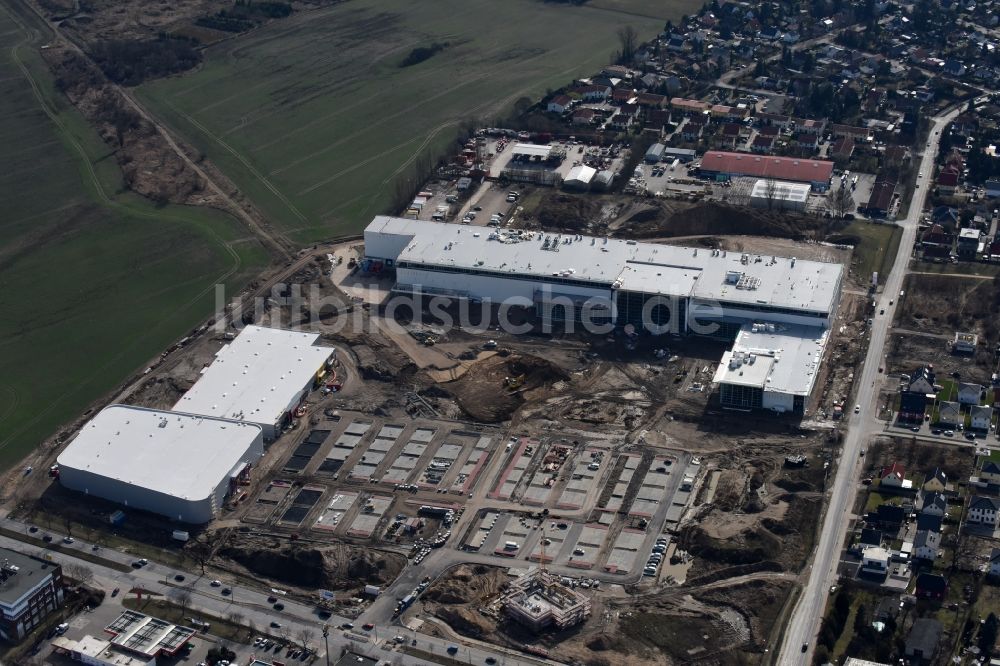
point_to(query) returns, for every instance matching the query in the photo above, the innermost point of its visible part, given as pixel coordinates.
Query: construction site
(581, 493)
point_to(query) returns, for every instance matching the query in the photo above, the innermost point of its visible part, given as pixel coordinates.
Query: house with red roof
(894, 476)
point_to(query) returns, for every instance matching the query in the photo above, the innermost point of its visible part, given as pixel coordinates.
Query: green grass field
(94, 282)
(877, 249)
(314, 119)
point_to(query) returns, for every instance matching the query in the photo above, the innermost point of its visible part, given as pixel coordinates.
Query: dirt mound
(564, 212)
(481, 392)
(464, 620)
(720, 219)
(336, 567)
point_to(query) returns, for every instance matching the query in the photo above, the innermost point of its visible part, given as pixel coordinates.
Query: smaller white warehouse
(779, 194)
(260, 377)
(579, 177)
(178, 465)
(771, 367)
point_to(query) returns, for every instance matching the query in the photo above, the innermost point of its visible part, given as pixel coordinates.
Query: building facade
(31, 590)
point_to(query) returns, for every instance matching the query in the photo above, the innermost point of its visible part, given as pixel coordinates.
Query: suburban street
(808, 613)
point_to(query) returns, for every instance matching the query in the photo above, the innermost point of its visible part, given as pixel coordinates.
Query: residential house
(842, 148)
(886, 517)
(926, 521)
(964, 343)
(923, 639)
(875, 559)
(968, 243)
(622, 95)
(990, 473)
(657, 118)
(983, 510)
(762, 145)
(934, 504)
(947, 181)
(982, 417)
(584, 116)
(807, 141)
(995, 562)
(893, 476)
(693, 129)
(773, 120)
(954, 67)
(856, 133)
(594, 93)
(896, 155)
(651, 100)
(949, 413)
(730, 134)
(809, 126)
(689, 106)
(922, 381)
(559, 104)
(969, 394)
(926, 545)
(882, 195)
(870, 537)
(935, 481)
(931, 586)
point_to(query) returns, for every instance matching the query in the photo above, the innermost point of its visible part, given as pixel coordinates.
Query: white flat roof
(531, 149)
(781, 359)
(256, 376)
(613, 263)
(183, 455)
(783, 190)
(581, 173)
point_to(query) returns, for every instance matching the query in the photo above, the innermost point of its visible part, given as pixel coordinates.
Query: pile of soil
(336, 567)
(481, 393)
(658, 221)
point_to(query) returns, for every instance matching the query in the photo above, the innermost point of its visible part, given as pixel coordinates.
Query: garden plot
(653, 490)
(339, 505)
(626, 553)
(466, 479)
(512, 474)
(365, 523)
(614, 503)
(586, 471)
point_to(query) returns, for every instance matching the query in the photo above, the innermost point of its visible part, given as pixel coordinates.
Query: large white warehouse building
(663, 288)
(260, 377)
(178, 465)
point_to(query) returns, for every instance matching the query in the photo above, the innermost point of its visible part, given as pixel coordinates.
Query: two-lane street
(805, 620)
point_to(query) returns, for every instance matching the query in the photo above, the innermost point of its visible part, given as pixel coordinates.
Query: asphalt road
(805, 620)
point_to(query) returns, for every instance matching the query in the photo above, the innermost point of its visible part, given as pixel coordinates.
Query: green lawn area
(95, 282)
(313, 117)
(949, 390)
(875, 499)
(877, 248)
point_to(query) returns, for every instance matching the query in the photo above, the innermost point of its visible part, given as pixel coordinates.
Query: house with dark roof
(881, 197)
(934, 504)
(870, 537)
(935, 481)
(843, 148)
(927, 521)
(886, 517)
(983, 510)
(931, 586)
(923, 639)
(927, 545)
(990, 473)
(995, 562)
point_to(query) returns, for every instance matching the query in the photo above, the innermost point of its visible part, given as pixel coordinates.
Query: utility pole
(326, 642)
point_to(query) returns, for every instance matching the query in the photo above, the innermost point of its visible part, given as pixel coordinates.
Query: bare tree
(629, 40)
(840, 202)
(770, 192)
(81, 574)
(182, 597)
(305, 637)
